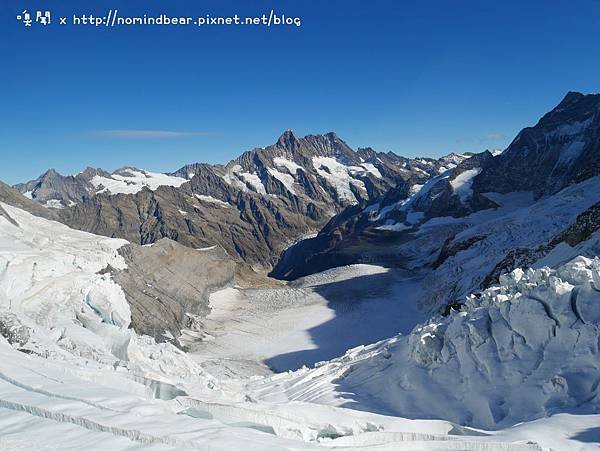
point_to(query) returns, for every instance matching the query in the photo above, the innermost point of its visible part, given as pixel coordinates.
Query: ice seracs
(521, 350)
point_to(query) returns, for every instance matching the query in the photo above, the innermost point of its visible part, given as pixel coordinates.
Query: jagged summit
(327, 144)
(50, 173)
(575, 106)
(288, 139)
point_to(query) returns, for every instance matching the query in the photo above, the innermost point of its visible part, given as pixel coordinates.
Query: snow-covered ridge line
(131, 181)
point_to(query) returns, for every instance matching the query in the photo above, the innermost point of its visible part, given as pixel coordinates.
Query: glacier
(74, 374)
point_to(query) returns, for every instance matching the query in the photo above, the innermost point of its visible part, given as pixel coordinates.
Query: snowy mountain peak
(559, 150)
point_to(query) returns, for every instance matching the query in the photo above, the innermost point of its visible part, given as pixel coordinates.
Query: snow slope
(340, 177)
(463, 182)
(41, 256)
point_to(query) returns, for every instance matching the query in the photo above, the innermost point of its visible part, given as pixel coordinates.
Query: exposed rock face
(450, 249)
(253, 207)
(167, 285)
(11, 328)
(251, 228)
(584, 226)
(62, 190)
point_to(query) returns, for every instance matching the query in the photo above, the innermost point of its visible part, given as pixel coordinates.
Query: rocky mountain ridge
(561, 149)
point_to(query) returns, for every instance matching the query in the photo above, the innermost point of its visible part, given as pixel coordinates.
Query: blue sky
(415, 77)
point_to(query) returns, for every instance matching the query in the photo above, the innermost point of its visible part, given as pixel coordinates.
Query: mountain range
(254, 207)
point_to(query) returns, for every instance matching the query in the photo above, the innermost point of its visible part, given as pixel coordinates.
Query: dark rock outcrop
(561, 149)
(167, 285)
(12, 329)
